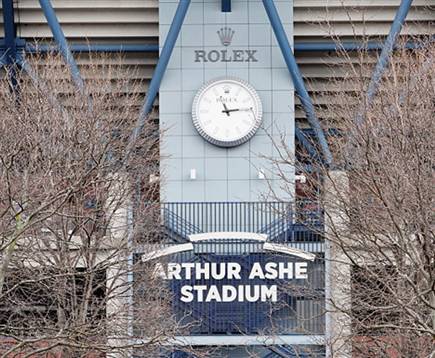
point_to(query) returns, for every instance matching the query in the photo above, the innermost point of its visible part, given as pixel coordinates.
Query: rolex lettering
(226, 56)
(226, 35)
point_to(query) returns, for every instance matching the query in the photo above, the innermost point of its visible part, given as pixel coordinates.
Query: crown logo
(226, 35)
(227, 89)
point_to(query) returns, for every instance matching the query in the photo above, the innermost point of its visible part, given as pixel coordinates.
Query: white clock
(227, 111)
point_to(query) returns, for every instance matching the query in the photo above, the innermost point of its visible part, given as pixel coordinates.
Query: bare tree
(68, 190)
(377, 200)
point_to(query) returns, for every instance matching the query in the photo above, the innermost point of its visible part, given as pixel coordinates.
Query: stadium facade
(234, 77)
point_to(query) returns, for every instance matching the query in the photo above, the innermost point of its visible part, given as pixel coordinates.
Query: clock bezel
(258, 118)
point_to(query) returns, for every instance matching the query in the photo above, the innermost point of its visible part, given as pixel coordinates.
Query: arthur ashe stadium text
(231, 271)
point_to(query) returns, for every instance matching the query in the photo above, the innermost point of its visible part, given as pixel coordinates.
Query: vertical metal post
(160, 70)
(226, 5)
(59, 36)
(10, 30)
(387, 48)
(293, 68)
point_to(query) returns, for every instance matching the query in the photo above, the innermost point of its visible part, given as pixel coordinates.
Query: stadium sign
(231, 281)
(231, 271)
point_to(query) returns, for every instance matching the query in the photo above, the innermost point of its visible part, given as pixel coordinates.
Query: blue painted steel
(59, 36)
(31, 48)
(348, 46)
(300, 136)
(226, 5)
(10, 31)
(297, 77)
(387, 48)
(165, 56)
(299, 46)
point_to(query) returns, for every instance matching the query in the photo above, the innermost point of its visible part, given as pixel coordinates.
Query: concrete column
(337, 268)
(118, 274)
(118, 309)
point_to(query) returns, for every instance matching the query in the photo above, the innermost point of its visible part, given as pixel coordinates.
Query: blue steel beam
(300, 136)
(350, 46)
(388, 47)
(10, 31)
(226, 5)
(297, 77)
(31, 48)
(9, 57)
(165, 55)
(59, 36)
(299, 46)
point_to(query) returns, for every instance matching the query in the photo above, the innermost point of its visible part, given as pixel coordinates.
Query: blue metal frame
(59, 36)
(9, 57)
(10, 32)
(165, 56)
(300, 136)
(298, 47)
(295, 73)
(226, 5)
(388, 47)
(9, 45)
(349, 46)
(31, 48)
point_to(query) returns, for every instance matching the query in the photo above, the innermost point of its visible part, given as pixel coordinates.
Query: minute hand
(247, 109)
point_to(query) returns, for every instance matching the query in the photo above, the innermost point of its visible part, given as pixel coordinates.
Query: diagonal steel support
(59, 36)
(293, 68)
(301, 137)
(282, 351)
(160, 70)
(388, 47)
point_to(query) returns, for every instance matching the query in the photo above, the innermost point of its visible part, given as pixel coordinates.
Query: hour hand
(225, 109)
(231, 110)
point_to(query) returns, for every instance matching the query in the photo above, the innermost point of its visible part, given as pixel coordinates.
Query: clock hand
(247, 109)
(225, 108)
(231, 110)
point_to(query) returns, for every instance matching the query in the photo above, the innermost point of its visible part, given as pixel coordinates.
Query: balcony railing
(280, 221)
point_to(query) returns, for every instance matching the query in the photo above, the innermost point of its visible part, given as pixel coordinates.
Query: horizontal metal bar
(243, 340)
(32, 48)
(298, 47)
(350, 46)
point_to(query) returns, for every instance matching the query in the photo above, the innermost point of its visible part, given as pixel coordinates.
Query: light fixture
(261, 174)
(301, 178)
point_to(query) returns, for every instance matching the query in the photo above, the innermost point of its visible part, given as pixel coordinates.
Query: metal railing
(280, 221)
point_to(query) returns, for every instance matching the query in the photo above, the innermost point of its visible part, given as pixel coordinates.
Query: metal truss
(11, 48)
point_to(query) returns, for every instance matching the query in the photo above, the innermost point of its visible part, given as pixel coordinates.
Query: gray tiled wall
(224, 174)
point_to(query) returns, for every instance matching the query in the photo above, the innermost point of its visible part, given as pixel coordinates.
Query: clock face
(227, 111)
